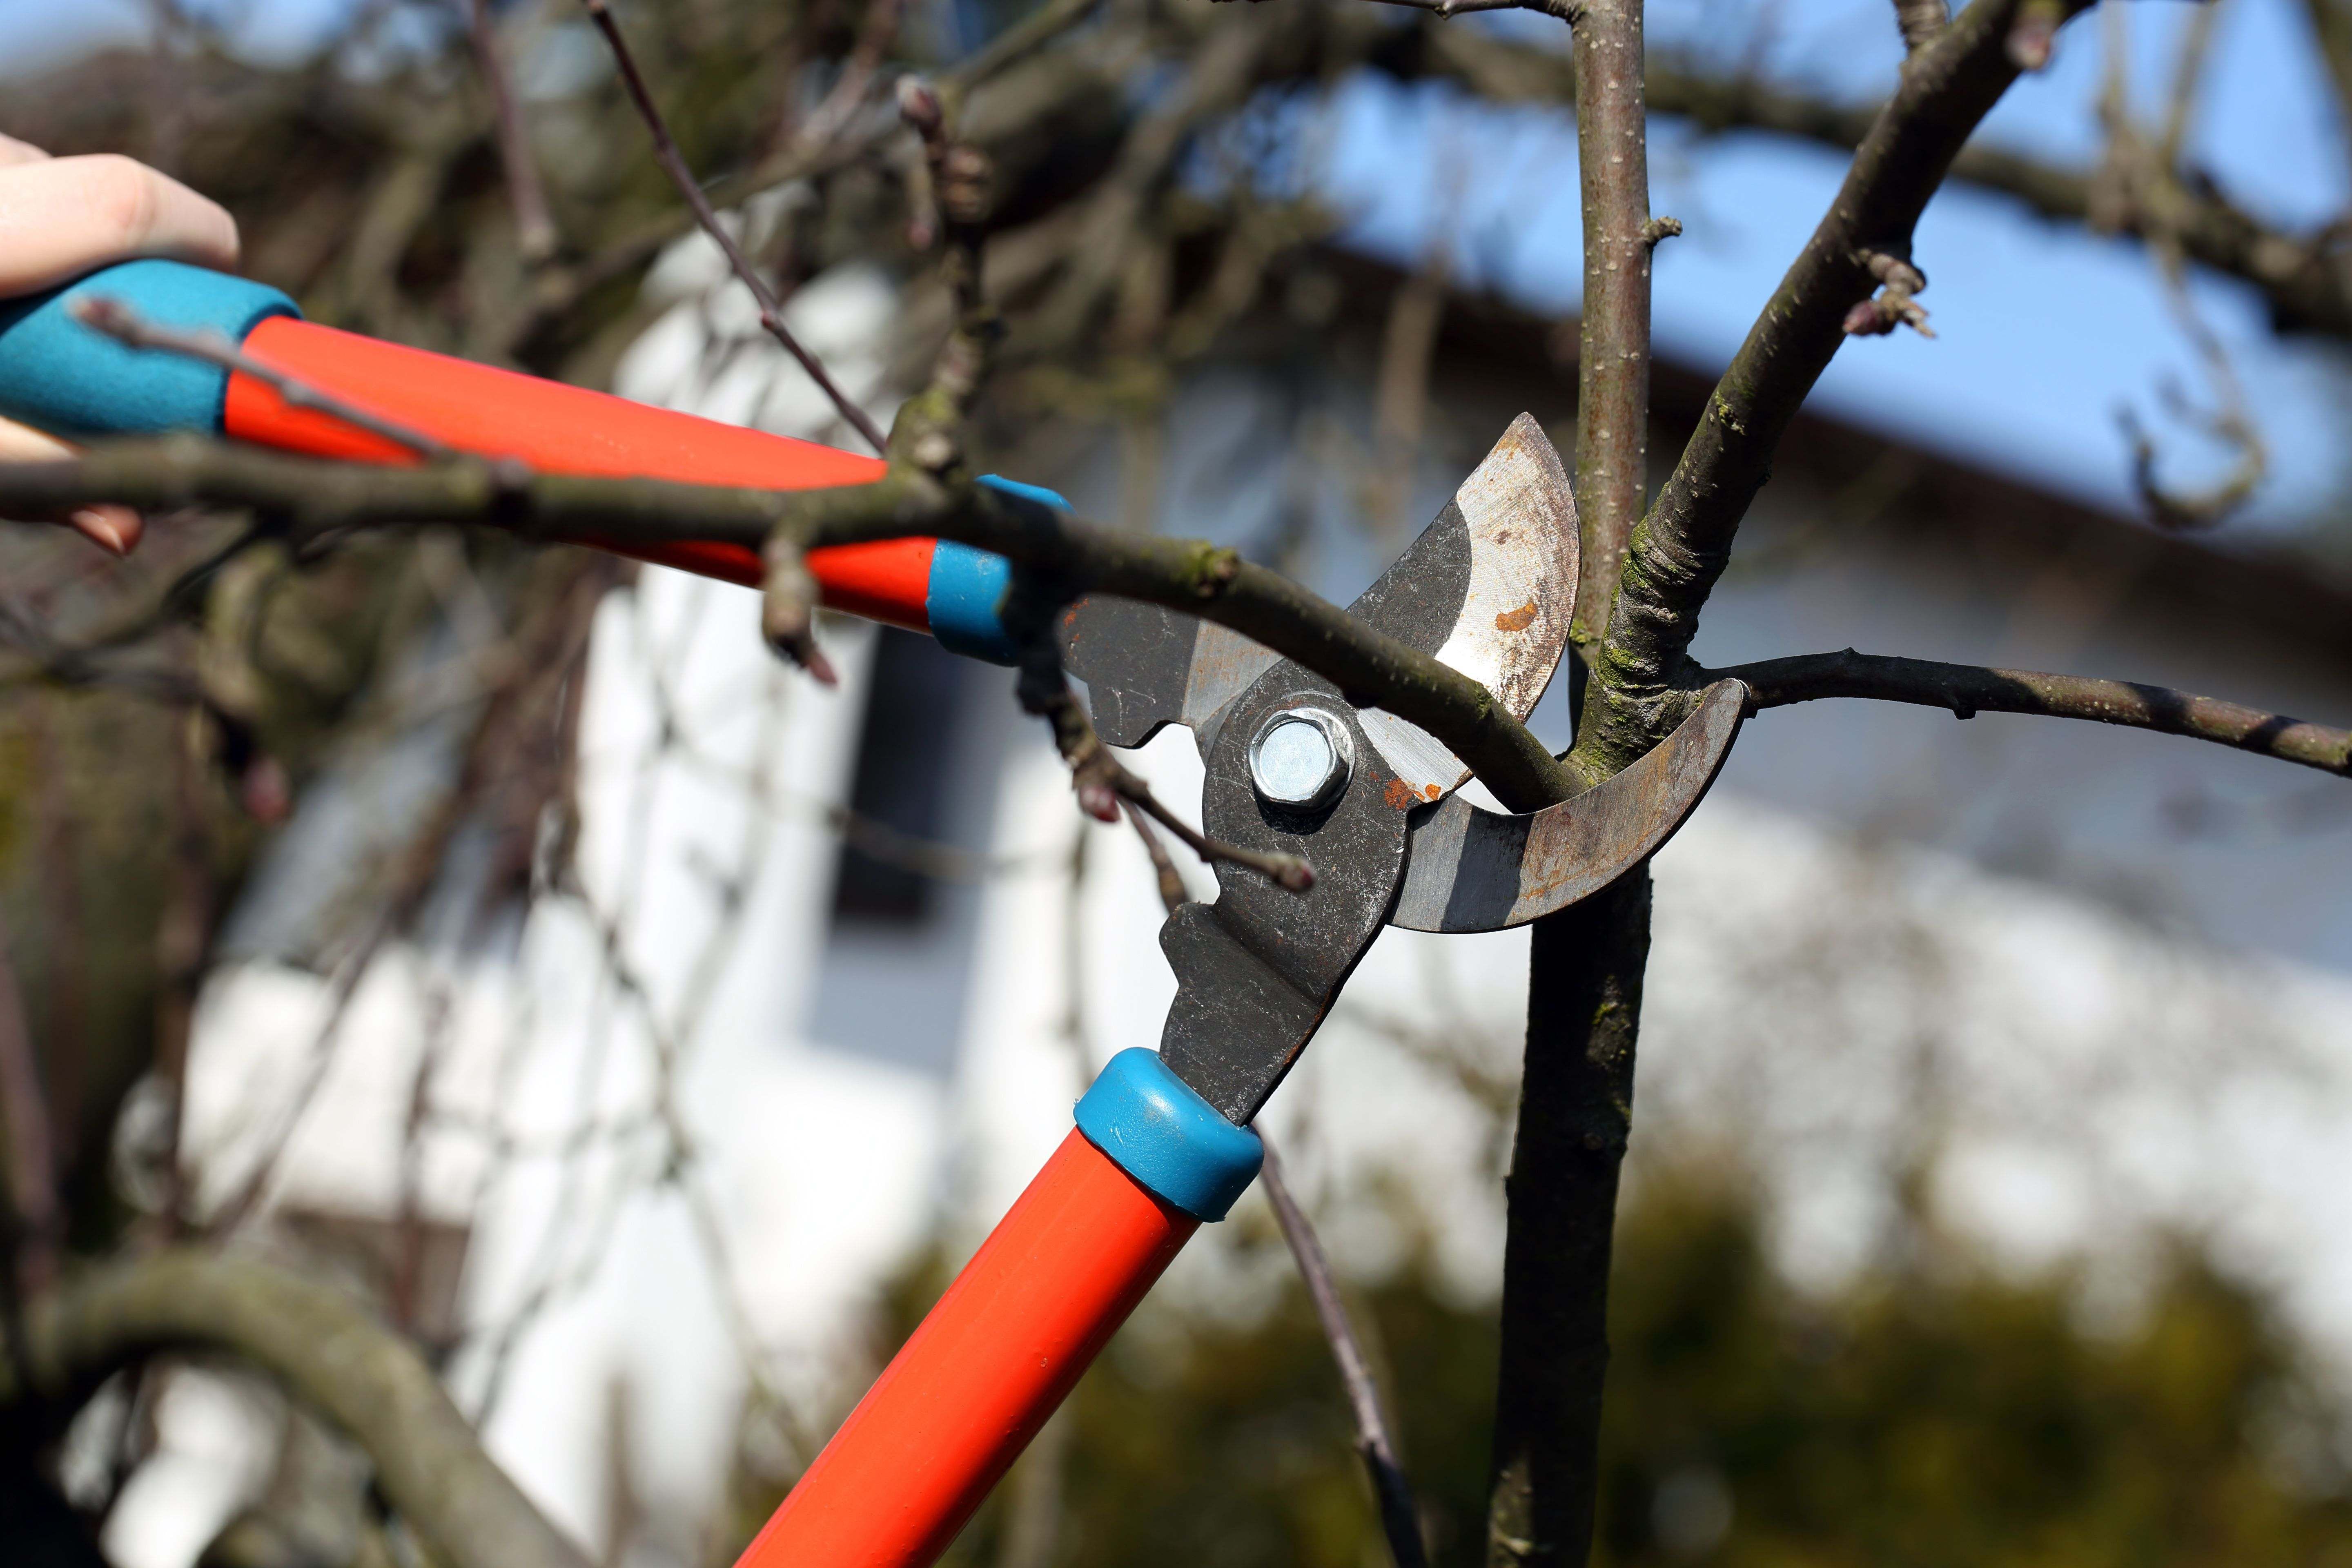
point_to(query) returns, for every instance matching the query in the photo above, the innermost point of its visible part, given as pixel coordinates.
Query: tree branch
(674, 165)
(1191, 575)
(1375, 1433)
(1561, 1197)
(1968, 689)
(327, 1353)
(1612, 372)
(1682, 547)
(535, 234)
(1919, 21)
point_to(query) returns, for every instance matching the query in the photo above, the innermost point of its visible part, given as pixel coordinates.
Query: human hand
(60, 218)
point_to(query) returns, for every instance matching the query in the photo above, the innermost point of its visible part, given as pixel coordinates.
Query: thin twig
(849, 92)
(1163, 867)
(119, 321)
(1566, 10)
(535, 234)
(674, 165)
(1375, 1435)
(1103, 783)
(1967, 690)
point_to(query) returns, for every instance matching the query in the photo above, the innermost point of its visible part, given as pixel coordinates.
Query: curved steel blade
(1489, 587)
(1470, 869)
(1146, 667)
(1502, 616)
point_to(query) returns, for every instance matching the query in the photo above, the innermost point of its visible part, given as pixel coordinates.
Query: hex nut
(1300, 759)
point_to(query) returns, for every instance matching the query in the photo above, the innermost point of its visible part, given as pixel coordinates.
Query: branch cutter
(1162, 1140)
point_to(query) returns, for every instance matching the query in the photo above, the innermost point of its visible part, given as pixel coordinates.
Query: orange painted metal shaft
(996, 1356)
(559, 428)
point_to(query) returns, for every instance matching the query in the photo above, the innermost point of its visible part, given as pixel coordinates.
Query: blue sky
(2044, 332)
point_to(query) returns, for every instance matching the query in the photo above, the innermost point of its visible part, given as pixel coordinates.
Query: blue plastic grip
(964, 601)
(965, 598)
(1157, 1128)
(65, 378)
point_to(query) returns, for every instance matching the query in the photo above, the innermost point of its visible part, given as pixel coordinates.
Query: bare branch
(1172, 895)
(1216, 80)
(1919, 21)
(1543, 1474)
(1375, 1433)
(1612, 371)
(118, 320)
(2229, 421)
(1968, 690)
(535, 234)
(875, 33)
(328, 1354)
(1103, 783)
(674, 165)
(1566, 10)
(1683, 546)
(1192, 575)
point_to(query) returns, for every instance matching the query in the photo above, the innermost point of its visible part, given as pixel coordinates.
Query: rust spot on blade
(1432, 791)
(1516, 620)
(1399, 794)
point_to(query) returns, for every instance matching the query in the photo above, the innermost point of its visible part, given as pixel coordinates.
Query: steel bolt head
(1300, 759)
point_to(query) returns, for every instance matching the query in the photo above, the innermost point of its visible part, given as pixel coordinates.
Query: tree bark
(1576, 1103)
(1584, 978)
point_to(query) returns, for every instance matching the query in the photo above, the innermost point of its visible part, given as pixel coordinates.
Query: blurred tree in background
(1931, 1412)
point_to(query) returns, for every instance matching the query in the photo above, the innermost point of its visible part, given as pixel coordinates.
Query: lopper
(1162, 1142)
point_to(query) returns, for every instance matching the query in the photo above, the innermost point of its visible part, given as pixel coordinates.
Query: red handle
(982, 1374)
(567, 429)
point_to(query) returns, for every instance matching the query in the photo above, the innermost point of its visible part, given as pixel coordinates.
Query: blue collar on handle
(60, 376)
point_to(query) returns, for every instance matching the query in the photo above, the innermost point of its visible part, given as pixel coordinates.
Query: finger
(14, 152)
(60, 217)
(23, 444)
(113, 529)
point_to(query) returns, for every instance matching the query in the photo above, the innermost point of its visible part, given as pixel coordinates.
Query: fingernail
(101, 528)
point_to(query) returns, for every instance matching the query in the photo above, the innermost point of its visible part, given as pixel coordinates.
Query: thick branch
(1968, 689)
(1612, 374)
(1543, 1474)
(1682, 546)
(330, 1355)
(1185, 574)
(1575, 1108)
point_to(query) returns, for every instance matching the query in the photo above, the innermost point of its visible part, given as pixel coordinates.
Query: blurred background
(648, 1033)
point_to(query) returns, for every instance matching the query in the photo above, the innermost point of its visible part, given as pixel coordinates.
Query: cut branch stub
(788, 602)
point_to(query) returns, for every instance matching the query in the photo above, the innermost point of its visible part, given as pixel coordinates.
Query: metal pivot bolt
(1300, 759)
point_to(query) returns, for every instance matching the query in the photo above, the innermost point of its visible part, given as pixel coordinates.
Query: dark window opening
(899, 793)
